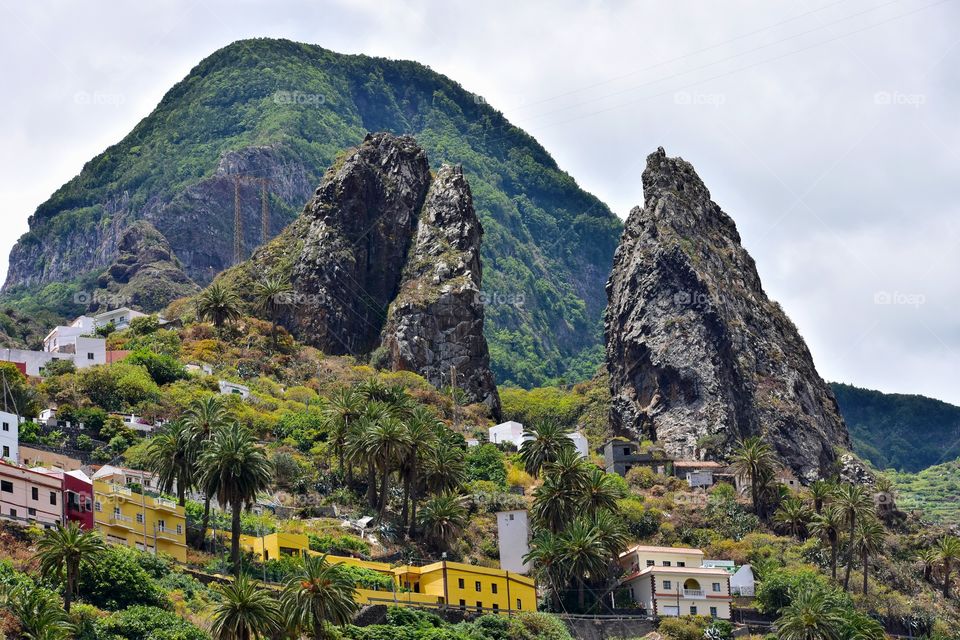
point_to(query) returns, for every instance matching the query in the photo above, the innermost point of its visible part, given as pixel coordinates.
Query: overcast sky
(827, 129)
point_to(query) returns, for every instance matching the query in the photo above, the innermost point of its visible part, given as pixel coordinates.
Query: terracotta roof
(640, 547)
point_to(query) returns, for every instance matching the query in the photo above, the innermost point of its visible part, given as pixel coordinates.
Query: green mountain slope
(899, 431)
(282, 110)
(935, 492)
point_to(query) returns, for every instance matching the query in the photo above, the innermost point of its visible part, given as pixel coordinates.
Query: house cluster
(117, 502)
(669, 581)
(513, 433)
(76, 342)
(621, 455)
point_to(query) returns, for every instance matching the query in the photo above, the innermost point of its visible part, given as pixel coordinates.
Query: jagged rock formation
(386, 259)
(698, 356)
(435, 324)
(145, 273)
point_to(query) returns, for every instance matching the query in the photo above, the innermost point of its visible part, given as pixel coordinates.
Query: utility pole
(237, 223)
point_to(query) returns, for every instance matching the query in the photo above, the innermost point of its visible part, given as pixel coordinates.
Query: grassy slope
(548, 244)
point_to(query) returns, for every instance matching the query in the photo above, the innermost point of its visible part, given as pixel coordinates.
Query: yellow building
(137, 520)
(465, 586)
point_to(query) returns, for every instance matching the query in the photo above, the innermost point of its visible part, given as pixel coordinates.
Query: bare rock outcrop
(698, 355)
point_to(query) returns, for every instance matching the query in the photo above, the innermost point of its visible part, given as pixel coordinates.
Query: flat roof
(651, 549)
(684, 570)
(705, 464)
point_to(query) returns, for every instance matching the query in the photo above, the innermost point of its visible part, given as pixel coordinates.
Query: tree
(570, 470)
(317, 595)
(171, 455)
(813, 614)
(422, 434)
(827, 525)
(345, 407)
(443, 517)
(270, 296)
(542, 445)
(602, 492)
(948, 551)
(63, 551)
(868, 541)
(245, 611)
(554, 504)
(793, 515)
(233, 464)
(821, 491)
(202, 418)
(219, 305)
(444, 470)
(39, 612)
(583, 554)
(754, 461)
(928, 557)
(854, 502)
(546, 559)
(388, 444)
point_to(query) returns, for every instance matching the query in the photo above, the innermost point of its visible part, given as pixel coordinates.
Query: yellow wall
(124, 528)
(274, 544)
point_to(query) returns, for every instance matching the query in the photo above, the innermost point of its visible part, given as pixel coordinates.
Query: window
(35, 493)
(716, 587)
(53, 498)
(650, 563)
(31, 512)
(519, 605)
(667, 585)
(681, 564)
(463, 605)
(666, 563)
(162, 525)
(693, 609)
(713, 612)
(479, 607)
(116, 511)
(493, 588)
(180, 531)
(460, 583)
(97, 506)
(511, 517)
(13, 513)
(89, 356)
(496, 608)
(139, 518)
(476, 586)
(626, 451)
(6, 487)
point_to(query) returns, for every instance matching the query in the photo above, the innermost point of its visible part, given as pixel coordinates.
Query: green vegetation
(547, 243)
(934, 492)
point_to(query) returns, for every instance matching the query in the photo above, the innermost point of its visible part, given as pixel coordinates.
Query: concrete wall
(513, 531)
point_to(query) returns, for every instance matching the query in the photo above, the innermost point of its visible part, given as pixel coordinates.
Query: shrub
(538, 626)
(117, 581)
(686, 628)
(163, 369)
(486, 463)
(774, 591)
(147, 623)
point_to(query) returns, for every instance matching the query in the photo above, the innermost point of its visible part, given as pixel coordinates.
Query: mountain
(385, 262)
(256, 123)
(899, 431)
(934, 491)
(698, 355)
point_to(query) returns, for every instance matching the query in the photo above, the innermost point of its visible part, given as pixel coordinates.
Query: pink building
(27, 495)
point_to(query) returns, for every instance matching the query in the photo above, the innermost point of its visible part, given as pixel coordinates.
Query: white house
(743, 582)
(668, 581)
(228, 388)
(513, 532)
(120, 318)
(10, 436)
(580, 443)
(81, 350)
(510, 431)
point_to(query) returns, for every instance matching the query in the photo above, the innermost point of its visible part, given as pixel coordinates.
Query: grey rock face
(698, 356)
(435, 325)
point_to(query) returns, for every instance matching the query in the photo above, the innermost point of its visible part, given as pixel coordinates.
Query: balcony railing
(119, 518)
(693, 593)
(163, 503)
(169, 534)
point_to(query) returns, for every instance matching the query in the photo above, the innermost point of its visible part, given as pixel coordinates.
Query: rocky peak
(698, 356)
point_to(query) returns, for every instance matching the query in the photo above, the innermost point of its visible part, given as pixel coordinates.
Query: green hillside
(899, 431)
(548, 244)
(935, 492)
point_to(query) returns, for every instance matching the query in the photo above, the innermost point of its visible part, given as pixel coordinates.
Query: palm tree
(270, 296)
(245, 611)
(570, 470)
(583, 554)
(202, 418)
(345, 407)
(237, 467)
(219, 305)
(444, 470)
(421, 433)
(543, 443)
(171, 455)
(812, 614)
(319, 594)
(821, 491)
(547, 562)
(357, 446)
(39, 612)
(793, 515)
(928, 557)
(443, 517)
(388, 443)
(868, 541)
(64, 551)
(854, 502)
(554, 504)
(602, 492)
(754, 461)
(827, 525)
(948, 550)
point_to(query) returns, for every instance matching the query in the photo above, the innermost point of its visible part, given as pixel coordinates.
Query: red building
(78, 498)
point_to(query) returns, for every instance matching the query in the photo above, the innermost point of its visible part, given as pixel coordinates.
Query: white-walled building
(232, 388)
(580, 443)
(513, 433)
(743, 583)
(120, 318)
(667, 581)
(10, 436)
(513, 532)
(83, 351)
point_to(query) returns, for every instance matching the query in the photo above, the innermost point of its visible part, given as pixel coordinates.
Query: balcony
(694, 593)
(120, 520)
(169, 534)
(163, 503)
